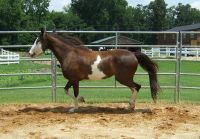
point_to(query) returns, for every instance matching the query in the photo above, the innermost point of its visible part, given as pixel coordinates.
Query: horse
(80, 63)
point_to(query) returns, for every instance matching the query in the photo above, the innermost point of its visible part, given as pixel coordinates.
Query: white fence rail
(171, 52)
(7, 57)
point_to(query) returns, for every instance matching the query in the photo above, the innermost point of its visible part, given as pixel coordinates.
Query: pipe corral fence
(177, 50)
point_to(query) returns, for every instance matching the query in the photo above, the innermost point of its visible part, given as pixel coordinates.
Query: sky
(58, 5)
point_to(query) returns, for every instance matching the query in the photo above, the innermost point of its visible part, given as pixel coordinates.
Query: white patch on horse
(36, 48)
(96, 73)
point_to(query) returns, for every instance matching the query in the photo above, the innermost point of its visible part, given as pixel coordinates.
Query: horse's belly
(96, 76)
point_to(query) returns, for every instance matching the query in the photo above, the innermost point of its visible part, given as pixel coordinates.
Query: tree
(157, 15)
(11, 16)
(156, 19)
(67, 20)
(35, 16)
(36, 12)
(141, 17)
(101, 14)
(170, 17)
(186, 15)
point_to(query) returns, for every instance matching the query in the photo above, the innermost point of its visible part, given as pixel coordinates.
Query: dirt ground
(100, 121)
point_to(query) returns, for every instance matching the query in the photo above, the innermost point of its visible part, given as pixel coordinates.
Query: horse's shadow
(86, 110)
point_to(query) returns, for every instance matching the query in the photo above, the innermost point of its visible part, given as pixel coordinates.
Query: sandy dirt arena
(100, 121)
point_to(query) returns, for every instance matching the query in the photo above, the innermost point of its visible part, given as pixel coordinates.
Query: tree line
(90, 15)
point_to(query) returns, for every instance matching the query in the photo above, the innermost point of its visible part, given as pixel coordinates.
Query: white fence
(171, 52)
(7, 57)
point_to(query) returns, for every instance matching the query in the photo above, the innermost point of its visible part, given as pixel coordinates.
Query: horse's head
(39, 45)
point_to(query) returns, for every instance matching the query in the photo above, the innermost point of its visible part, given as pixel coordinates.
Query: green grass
(94, 95)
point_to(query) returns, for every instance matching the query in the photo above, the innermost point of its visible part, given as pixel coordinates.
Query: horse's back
(119, 56)
(118, 61)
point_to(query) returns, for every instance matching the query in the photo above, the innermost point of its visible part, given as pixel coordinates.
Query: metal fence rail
(177, 48)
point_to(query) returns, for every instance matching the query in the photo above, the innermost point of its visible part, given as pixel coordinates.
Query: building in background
(121, 40)
(187, 38)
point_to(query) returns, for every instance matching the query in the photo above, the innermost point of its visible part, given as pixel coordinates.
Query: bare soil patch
(109, 121)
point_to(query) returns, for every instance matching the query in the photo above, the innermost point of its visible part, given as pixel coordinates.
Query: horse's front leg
(67, 86)
(75, 97)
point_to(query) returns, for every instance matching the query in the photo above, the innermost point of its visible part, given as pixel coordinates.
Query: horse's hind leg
(128, 81)
(134, 89)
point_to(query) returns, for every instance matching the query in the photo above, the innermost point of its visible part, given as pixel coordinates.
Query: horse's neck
(59, 49)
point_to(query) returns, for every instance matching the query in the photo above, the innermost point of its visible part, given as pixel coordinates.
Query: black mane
(72, 41)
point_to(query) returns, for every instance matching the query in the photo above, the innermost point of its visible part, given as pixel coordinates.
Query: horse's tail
(151, 67)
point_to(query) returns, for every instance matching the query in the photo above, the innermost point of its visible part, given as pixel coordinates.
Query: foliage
(102, 15)
(36, 12)
(157, 10)
(186, 15)
(11, 15)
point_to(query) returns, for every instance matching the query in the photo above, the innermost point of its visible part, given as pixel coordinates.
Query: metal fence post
(178, 64)
(116, 44)
(53, 77)
(176, 67)
(180, 55)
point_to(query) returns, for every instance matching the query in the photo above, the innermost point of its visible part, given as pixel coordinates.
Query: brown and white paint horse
(79, 63)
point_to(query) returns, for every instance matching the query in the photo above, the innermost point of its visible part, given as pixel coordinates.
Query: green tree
(186, 15)
(10, 19)
(35, 16)
(141, 17)
(157, 13)
(67, 20)
(156, 19)
(36, 12)
(11, 14)
(170, 17)
(101, 14)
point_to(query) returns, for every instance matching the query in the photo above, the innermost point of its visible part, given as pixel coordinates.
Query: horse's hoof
(81, 99)
(131, 107)
(72, 110)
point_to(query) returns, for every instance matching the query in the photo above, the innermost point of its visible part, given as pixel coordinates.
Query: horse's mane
(72, 41)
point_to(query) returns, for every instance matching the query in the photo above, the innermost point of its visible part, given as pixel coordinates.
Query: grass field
(93, 95)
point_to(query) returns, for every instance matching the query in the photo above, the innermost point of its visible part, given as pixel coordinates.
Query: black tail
(151, 67)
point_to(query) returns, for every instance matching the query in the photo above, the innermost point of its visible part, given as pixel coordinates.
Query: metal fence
(178, 47)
